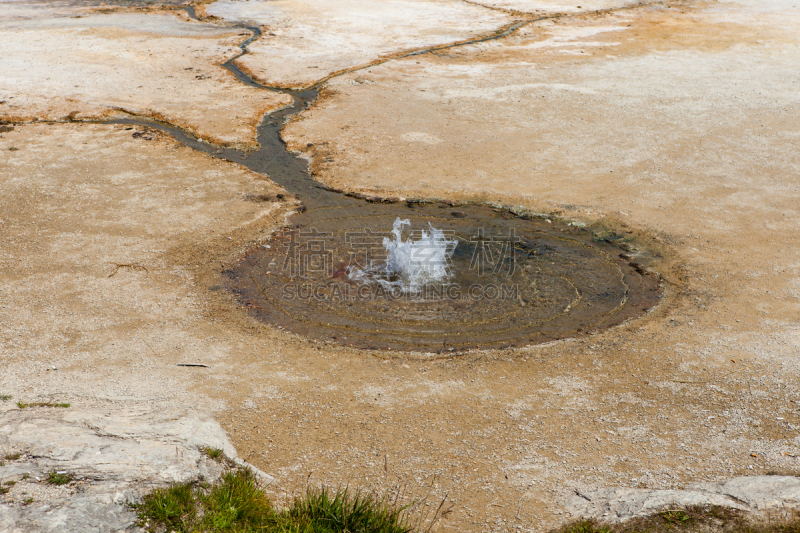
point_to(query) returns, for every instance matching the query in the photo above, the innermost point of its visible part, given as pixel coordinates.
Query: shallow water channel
(513, 280)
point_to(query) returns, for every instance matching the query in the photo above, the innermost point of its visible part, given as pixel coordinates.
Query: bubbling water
(410, 264)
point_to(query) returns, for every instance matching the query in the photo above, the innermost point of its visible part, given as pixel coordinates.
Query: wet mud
(516, 280)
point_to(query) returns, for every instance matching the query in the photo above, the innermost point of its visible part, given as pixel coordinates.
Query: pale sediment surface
(677, 122)
(101, 227)
(92, 219)
(321, 38)
(764, 496)
(680, 121)
(39, 10)
(550, 7)
(18, 10)
(155, 65)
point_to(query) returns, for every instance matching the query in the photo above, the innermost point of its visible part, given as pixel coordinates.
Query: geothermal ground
(676, 122)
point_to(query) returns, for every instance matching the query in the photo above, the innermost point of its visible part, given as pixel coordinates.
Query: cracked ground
(678, 121)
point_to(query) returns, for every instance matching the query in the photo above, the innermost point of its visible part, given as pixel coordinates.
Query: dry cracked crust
(638, 117)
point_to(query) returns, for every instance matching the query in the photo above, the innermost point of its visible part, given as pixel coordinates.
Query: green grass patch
(24, 405)
(782, 472)
(322, 511)
(213, 453)
(675, 516)
(237, 504)
(58, 478)
(705, 519)
(5, 397)
(173, 508)
(12, 456)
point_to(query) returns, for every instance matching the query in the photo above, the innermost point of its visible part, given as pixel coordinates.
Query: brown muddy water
(513, 280)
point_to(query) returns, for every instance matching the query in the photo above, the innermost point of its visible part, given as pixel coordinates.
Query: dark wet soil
(515, 280)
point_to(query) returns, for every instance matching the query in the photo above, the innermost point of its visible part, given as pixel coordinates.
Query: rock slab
(114, 458)
(758, 494)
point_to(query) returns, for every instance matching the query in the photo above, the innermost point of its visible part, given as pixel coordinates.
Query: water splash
(410, 265)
